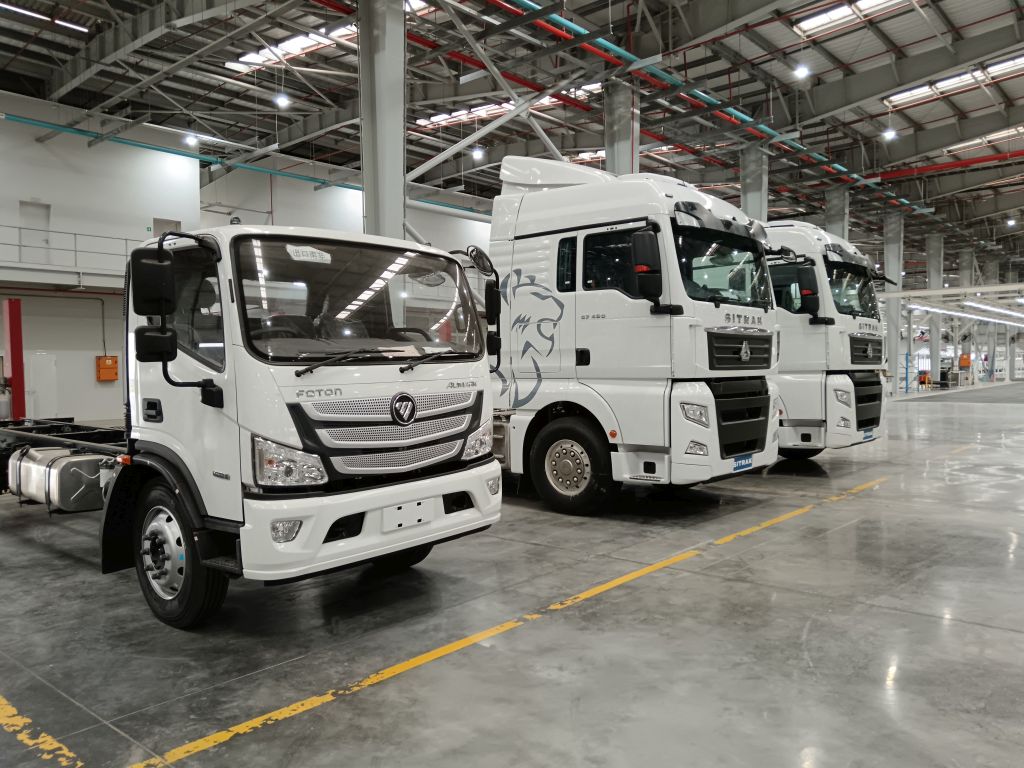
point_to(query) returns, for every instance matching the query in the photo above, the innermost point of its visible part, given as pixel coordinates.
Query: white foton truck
(832, 353)
(298, 400)
(638, 332)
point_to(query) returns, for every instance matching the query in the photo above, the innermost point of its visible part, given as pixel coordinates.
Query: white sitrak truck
(297, 401)
(638, 332)
(832, 346)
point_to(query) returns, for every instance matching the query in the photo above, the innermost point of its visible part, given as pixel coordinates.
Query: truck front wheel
(179, 589)
(570, 465)
(799, 454)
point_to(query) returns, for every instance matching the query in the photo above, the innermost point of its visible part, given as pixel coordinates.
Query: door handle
(152, 410)
(582, 356)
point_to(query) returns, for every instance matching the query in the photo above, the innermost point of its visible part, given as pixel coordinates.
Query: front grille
(741, 408)
(393, 435)
(867, 394)
(727, 350)
(396, 461)
(865, 350)
(379, 408)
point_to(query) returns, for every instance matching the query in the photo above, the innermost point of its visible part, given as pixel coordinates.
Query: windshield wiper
(433, 356)
(352, 354)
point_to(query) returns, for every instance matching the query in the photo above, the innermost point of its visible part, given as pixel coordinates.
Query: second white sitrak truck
(638, 332)
(832, 353)
(298, 400)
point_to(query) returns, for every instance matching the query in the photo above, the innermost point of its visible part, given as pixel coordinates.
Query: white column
(893, 248)
(382, 116)
(966, 262)
(621, 129)
(837, 212)
(933, 249)
(754, 183)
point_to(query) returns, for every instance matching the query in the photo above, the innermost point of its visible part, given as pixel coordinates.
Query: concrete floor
(882, 628)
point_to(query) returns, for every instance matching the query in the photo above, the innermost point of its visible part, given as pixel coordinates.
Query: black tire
(403, 560)
(799, 454)
(187, 594)
(580, 477)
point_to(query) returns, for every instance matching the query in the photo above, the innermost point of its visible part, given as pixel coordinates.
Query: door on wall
(34, 220)
(165, 225)
(41, 385)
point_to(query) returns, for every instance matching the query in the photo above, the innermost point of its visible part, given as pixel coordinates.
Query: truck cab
(298, 401)
(638, 333)
(832, 354)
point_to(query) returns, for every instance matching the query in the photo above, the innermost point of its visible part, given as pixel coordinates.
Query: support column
(754, 183)
(621, 129)
(382, 99)
(893, 248)
(966, 267)
(933, 248)
(837, 212)
(990, 276)
(14, 356)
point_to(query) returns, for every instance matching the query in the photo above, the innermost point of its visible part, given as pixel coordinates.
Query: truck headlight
(843, 396)
(279, 465)
(480, 441)
(698, 414)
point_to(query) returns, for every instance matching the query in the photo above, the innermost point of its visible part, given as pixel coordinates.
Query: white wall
(278, 200)
(69, 329)
(109, 190)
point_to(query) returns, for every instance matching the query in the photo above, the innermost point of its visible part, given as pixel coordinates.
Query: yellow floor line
(219, 737)
(45, 746)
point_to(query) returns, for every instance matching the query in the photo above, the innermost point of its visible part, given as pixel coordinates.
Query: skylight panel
(904, 98)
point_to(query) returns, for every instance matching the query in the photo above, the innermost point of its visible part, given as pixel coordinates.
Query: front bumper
(689, 469)
(802, 425)
(264, 559)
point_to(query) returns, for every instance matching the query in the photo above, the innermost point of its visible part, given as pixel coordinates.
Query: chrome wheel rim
(568, 467)
(163, 552)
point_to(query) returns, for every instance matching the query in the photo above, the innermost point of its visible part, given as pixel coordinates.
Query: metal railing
(73, 251)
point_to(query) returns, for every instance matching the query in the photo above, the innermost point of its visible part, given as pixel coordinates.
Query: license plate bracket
(408, 514)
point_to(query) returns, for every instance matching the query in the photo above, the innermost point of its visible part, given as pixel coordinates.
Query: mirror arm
(658, 308)
(211, 394)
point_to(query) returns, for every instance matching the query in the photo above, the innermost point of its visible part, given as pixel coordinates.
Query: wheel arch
(116, 546)
(553, 412)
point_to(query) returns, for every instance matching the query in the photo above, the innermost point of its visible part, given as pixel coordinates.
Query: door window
(566, 276)
(786, 286)
(608, 263)
(199, 317)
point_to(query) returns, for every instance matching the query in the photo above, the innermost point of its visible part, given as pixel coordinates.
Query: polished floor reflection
(878, 628)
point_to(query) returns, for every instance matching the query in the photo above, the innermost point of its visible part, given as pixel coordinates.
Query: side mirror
(480, 260)
(492, 302)
(810, 303)
(493, 344)
(152, 282)
(154, 344)
(646, 258)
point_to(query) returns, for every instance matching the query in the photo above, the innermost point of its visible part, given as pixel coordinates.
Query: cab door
(623, 350)
(172, 421)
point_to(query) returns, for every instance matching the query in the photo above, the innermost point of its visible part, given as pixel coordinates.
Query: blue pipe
(212, 159)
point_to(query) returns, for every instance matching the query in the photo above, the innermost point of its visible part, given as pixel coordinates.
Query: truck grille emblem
(870, 350)
(745, 352)
(403, 409)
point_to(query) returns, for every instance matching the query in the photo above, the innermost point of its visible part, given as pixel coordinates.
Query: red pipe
(926, 170)
(14, 357)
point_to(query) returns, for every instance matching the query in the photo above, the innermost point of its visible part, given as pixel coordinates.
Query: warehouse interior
(814, 603)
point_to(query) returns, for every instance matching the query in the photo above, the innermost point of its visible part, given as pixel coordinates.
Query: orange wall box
(106, 368)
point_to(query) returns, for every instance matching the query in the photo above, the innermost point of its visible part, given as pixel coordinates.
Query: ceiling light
(1011, 222)
(478, 153)
(801, 72)
(69, 25)
(24, 11)
(192, 140)
(889, 134)
(969, 315)
(282, 100)
(992, 308)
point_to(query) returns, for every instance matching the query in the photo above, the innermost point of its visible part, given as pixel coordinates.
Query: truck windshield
(304, 300)
(722, 268)
(852, 290)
